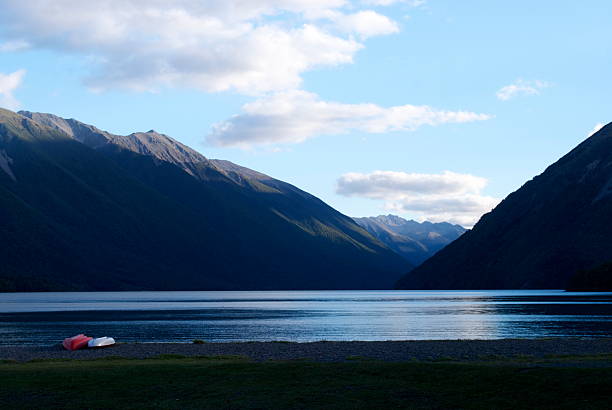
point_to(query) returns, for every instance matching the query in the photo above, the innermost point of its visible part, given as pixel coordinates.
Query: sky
(428, 109)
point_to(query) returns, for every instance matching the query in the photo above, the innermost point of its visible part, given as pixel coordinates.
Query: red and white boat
(76, 342)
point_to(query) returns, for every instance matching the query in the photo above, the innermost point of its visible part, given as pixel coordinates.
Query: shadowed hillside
(555, 225)
(83, 209)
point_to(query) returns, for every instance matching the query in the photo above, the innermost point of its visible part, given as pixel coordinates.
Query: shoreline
(331, 351)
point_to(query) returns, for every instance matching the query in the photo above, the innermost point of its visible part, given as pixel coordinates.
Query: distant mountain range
(413, 240)
(84, 209)
(554, 232)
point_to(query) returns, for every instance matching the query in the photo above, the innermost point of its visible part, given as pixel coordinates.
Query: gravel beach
(394, 351)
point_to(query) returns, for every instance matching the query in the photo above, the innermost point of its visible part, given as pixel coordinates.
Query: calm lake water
(46, 318)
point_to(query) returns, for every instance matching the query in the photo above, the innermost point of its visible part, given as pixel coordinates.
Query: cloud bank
(411, 3)
(8, 84)
(366, 24)
(521, 88)
(253, 47)
(248, 46)
(295, 116)
(448, 196)
(14, 45)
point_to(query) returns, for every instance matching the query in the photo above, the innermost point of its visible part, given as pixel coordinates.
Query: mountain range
(415, 241)
(85, 209)
(554, 232)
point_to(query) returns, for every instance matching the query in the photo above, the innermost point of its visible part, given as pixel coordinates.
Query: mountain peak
(150, 143)
(413, 240)
(143, 211)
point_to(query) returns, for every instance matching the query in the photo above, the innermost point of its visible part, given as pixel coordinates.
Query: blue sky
(428, 109)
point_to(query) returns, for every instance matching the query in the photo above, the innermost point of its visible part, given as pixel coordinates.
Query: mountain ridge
(415, 241)
(111, 218)
(539, 236)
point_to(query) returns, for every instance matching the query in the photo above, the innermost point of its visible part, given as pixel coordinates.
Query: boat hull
(76, 342)
(101, 342)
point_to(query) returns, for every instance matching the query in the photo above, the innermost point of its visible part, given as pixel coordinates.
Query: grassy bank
(174, 382)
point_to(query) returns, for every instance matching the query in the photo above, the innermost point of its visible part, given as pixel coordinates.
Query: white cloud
(597, 127)
(411, 3)
(366, 24)
(394, 185)
(464, 210)
(250, 46)
(14, 45)
(521, 88)
(8, 84)
(448, 196)
(295, 116)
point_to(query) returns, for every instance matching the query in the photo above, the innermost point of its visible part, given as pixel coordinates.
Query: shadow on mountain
(555, 225)
(109, 218)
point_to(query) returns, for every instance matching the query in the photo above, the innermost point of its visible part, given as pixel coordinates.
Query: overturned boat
(101, 342)
(76, 342)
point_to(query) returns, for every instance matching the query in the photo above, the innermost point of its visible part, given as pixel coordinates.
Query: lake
(46, 318)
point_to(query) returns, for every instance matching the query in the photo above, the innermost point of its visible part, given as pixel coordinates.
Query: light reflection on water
(44, 318)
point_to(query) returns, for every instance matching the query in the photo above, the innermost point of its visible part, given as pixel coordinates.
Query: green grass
(232, 382)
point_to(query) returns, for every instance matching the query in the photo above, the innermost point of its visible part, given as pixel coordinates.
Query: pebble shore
(326, 351)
